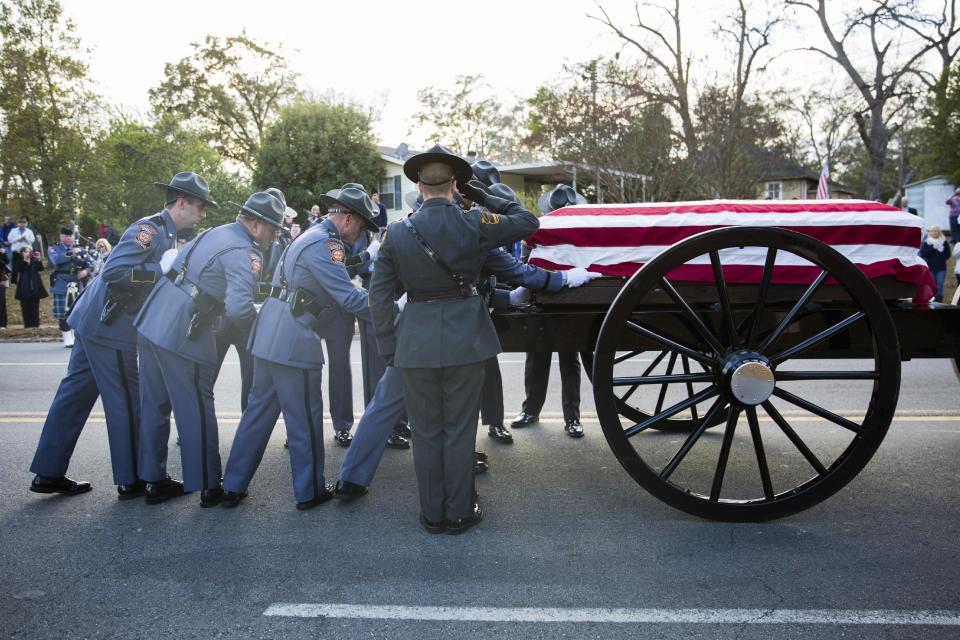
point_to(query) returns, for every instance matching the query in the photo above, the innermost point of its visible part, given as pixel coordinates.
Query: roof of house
(776, 167)
(926, 180)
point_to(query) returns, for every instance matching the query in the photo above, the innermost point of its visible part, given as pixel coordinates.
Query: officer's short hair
(435, 178)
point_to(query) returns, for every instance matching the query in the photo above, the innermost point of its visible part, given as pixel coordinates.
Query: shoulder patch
(487, 217)
(144, 236)
(337, 253)
(256, 262)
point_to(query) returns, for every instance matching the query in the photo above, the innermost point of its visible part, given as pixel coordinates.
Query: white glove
(579, 276)
(373, 249)
(519, 296)
(402, 302)
(166, 260)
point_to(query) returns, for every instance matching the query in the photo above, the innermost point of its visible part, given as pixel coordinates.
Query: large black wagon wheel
(794, 451)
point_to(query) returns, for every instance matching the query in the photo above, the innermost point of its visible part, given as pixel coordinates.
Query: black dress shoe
(62, 485)
(324, 496)
(524, 419)
(573, 428)
(231, 499)
(349, 491)
(162, 491)
(397, 442)
(402, 429)
(456, 527)
(480, 455)
(480, 466)
(432, 527)
(211, 497)
(500, 433)
(343, 437)
(128, 491)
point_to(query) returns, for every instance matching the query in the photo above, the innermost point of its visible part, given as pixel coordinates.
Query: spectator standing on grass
(30, 289)
(935, 251)
(20, 238)
(954, 203)
(8, 226)
(4, 283)
(103, 252)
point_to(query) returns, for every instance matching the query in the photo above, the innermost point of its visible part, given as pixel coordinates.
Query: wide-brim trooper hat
(486, 172)
(501, 190)
(356, 201)
(276, 193)
(413, 199)
(559, 197)
(438, 153)
(264, 206)
(190, 184)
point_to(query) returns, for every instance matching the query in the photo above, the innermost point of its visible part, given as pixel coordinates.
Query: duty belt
(445, 294)
(301, 301)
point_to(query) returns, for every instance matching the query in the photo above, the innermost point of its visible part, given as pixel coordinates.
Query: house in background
(783, 179)
(929, 198)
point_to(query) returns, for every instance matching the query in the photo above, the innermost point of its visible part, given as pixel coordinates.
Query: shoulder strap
(186, 258)
(433, 255)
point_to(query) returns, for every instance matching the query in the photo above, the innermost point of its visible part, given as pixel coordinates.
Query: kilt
(59, 305)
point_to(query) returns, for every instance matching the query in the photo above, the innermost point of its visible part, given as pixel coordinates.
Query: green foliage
(314, 147)
(48, 112)
(129, 157)
(230, 89)
(940, 134)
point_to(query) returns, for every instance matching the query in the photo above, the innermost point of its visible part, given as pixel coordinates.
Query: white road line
(619, 616)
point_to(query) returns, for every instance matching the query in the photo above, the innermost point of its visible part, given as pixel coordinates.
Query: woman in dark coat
(30, 289)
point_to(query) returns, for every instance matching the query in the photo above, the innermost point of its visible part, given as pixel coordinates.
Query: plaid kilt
(59, 305)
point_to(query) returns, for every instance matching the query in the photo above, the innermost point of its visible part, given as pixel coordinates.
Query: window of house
(773, 191)
(390, 193)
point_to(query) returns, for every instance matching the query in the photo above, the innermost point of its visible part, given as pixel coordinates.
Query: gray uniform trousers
(340, 384)
(187, 388)
(295, 392)
(443, 404)
(373, 366)
(382, 413)
(491, 396)
(93, 370)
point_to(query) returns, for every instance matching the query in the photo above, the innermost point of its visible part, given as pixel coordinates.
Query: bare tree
(827, 121)
(886, 95)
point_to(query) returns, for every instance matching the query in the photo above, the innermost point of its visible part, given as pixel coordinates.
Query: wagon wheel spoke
(688, 378)
(692, 317)
(620, 359)
(663, 387)
(816, 339)
(780, 328)
(692, 439)
(686, 370)
(655, 419)
(761, 456)
(652, 366)
(669, 344)
(728, 324)
(787, 376)
(818, 410)
(761, 296)
(724, 454)
(794, 437)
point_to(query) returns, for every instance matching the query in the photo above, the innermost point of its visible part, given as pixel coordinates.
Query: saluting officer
(60, 255)
(214, 277)
(312, 290)
(445, 334)
(104, 359)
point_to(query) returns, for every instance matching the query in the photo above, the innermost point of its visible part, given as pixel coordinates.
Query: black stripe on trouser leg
(203, 424)
(313, 437)
(129, 405)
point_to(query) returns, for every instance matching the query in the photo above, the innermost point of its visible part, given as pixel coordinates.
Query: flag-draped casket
(617, 239)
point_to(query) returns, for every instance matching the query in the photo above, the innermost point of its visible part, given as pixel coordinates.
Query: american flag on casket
(617, 239)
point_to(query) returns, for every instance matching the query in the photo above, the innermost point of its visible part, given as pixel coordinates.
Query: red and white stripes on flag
(616, 239)
(823, 188)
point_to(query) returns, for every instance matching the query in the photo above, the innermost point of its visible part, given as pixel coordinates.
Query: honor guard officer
(445, 335)
(61, 257)
(104, 360)
(214, 277)
(536, 370)
(312, 291)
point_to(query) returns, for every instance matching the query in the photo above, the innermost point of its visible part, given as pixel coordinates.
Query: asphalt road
(570, 545)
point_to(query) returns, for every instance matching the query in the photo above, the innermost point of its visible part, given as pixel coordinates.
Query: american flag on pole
(823, 190)
(617, 239)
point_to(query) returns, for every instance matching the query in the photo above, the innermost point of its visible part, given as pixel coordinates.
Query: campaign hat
(501, 190)
(356, 201)
(264, 206)
(437, 153)
(559, 197)
(276, 193)
(189, 184)
(486, 172)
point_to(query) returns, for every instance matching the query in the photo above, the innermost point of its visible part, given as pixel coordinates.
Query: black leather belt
(300, 301)
(446, 294)
(193, 290)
